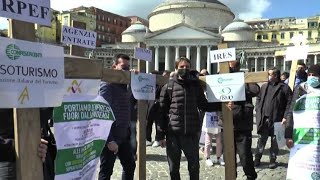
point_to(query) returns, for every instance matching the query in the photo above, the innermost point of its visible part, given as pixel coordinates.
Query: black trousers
(7, 171)
(125, 154)
(189, 145)
(150, 122)
(243, 142)
(263, 138)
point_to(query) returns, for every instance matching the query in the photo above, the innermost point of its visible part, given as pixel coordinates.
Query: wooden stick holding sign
(27, 132)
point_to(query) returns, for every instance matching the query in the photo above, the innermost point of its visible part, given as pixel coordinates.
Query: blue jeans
(7, 170)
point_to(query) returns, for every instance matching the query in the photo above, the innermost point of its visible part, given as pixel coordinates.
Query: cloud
(3, 23)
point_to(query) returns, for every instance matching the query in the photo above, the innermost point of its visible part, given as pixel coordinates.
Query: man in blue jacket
(118, 143)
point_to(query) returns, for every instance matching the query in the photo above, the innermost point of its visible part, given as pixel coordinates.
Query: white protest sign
(143, 54)
(143, 86)
(299, 50)
(33, 11)
(223, 55)
(79, 37)
(82, 125)
(305, 154)
(31, 74)
(279, 131)
(226, 87)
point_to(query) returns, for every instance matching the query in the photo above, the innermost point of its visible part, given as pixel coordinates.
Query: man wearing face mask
(301, 75)
(272, 105)
(179, 125)
(119, 97)
(311, 86)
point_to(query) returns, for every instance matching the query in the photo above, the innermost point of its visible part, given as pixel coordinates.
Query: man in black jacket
(243, 125)
(7, 151)
(273, 105)
(180, 101)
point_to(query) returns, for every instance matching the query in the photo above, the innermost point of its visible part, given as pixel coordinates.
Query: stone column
(256, 64)
(275, 61)
(305, 61)
(198, 63)
(156, 58)
(167, 60)
(315, 59)
(177, 53)
(188, 52)
(265, 64)
(208, 59)
(284, 63)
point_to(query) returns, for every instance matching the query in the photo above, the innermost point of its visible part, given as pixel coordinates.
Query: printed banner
(143, 54)
(211, 120)
(82, 125)
(31, 74)
(226, 87)
(33, 11)
(305, 155)
(143, 86)
(79, 37)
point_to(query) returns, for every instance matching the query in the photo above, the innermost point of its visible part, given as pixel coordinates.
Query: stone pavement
(157, 166)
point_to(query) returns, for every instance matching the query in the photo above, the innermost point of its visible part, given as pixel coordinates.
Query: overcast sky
(247, 9)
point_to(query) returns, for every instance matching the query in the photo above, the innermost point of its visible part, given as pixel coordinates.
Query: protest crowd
(182, 116)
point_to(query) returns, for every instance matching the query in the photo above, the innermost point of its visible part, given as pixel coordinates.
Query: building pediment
(183, 31)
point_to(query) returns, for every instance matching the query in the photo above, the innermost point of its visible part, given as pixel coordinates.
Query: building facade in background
(135, 19)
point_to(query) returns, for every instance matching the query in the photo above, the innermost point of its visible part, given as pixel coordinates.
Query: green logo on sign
(13, 52)
(221, 80)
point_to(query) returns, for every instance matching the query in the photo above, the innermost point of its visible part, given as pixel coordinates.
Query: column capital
(198, 46)
(177, 47)
(209, 46)
(157, 46)
(188, 47)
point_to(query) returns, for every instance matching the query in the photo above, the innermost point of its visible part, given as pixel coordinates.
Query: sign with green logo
(29, 72)
(226, 87)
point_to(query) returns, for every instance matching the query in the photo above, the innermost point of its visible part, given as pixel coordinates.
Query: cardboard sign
(297, 52)
(223, 55)
(31, 74)
(79, 37)
(226, 87)
(143, 54)
(33, 11)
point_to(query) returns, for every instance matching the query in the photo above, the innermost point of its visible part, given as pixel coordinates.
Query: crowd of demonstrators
(212, 130)
(243, 125)
(312, 85)
(7, 148)
(119, 97)
(272, 105)
(179, 126)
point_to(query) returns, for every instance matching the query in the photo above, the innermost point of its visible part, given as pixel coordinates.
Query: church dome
(204, 14)
(134, 33)
(238, 30)
(137, 27)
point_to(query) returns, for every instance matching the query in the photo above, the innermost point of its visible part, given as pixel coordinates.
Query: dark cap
(315, 69)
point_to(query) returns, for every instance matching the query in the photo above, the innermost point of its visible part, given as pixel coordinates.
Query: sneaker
(148, 143)
(257, 162)
(221, 161)
(273, 164)
(209, 162)
(156, 144)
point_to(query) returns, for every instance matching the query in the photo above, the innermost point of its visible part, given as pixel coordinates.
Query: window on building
(103, 38)
(120, 23)
(102, 18)
(114, 21)
(65, 20)
(109, 19)
(291, 34)
(109, 39)
(99, 27)
(274, 36)
(310, 34)
(301, 32)
(282, 35)
(265, 36)
(98, 17)
(108, 29)
(259, 37)
(102, 28)
(99, 37)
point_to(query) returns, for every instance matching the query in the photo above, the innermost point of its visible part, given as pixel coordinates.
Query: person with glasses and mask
(179, 125)
(311, 86)
(301, 75)
(272, 105)
(118, 144)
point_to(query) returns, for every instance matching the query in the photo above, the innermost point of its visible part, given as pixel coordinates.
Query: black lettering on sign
(32, 10)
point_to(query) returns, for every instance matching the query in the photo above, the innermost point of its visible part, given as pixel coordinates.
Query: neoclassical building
(192, 28)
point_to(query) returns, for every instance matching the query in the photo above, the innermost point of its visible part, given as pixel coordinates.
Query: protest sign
(143, 86)
(226, 87)
(223, 55)
(33, 11)
(79, 37)
(279, 130)
(82, 125)
(304, 156)
(143, 54)
(29, 72)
